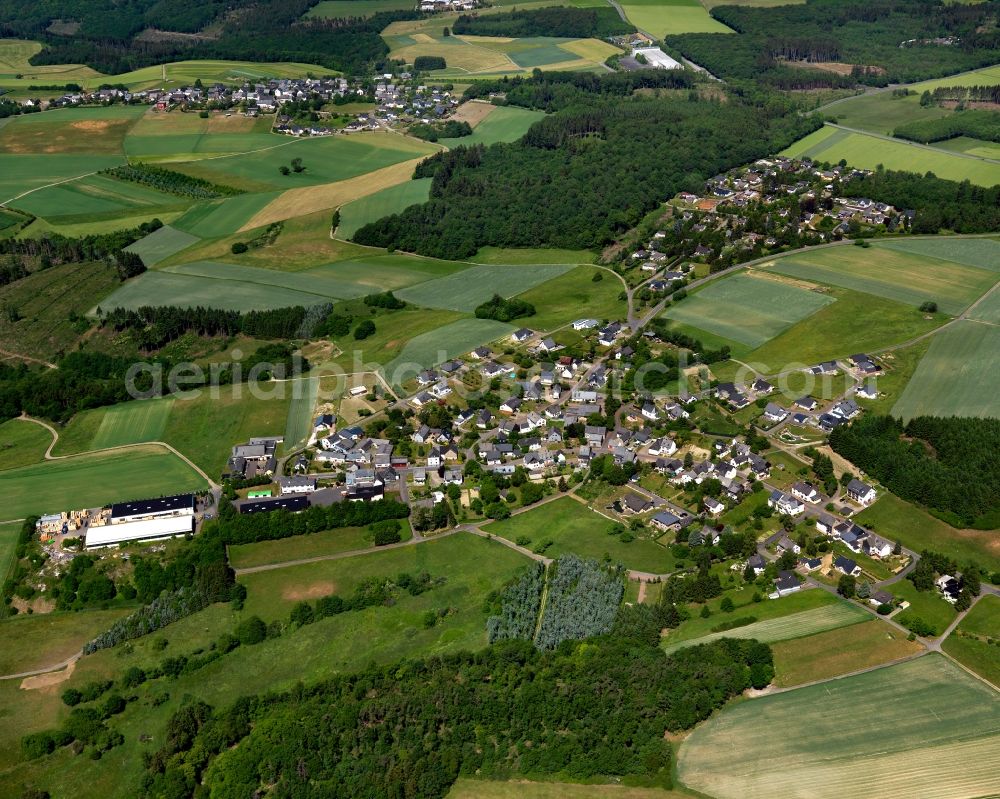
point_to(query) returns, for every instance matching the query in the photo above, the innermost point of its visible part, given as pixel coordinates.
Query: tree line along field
(868, 151)
(923, 725)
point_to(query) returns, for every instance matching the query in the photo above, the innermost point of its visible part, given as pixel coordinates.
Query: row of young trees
(579, 711)
(162, 179)
(571, 181)
(946, 464)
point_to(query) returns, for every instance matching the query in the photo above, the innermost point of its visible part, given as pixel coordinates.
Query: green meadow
(389, 201)
(666, 17)
(504, 124)
(161, 244)
(472, 287)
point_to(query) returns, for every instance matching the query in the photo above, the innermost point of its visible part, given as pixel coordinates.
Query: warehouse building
(143, 520)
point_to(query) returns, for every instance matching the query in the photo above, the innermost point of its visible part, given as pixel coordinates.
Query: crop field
(970, 146)
(866, 151)
(747, 309)
(973, 649)
(573, 527)
(924, 726)
(892, 273)
(882, 113)
(326, 159)
(988, 310)
(310, 199)
(389, 201)
(165, 123)
(182, 146)
(983, 253)
(977, 77)
(665, 17)
(505, 124)
(439, 344)
(217, 218)
(20, 174)
(91, 480)
(959, 375)
(132, 423)
(21, 444)
(70, 130)
(466, 290)
(469, 788)
(833, 332)
(797, 625)
(97, 196)
(162, 244)
(303, 394)
(840, 651)
(339, 9)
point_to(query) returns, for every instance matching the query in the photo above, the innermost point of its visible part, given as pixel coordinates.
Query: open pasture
(970, 146)
(438, 345)
(15, 59)
(959, 375)
(868, 151)
(505, 124)
(924, 728)
(23, 174)
(882, 112)
(983, 253)
(833, 332)
(666, 17)
(98, 196)
(39, 640)
(209, 220)
(70, 130)
(784, 628)
(21, 444)
(747, 309)
(891, 273)
(326, 159)
(987, 76)
(474, 286)
(573, 527)
(564, 298)
(91, 480)
(161, 244)
(974, 650)
(393, 200)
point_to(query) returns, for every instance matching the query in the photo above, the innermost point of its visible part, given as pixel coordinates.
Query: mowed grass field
(922, 728)
(959, 375)
(839, 651)
(747, 309)
(218, 218)
(439, 344)
(92, 480)
(504, 124)
(665, 17)
(98, 197)
(972, 647)
(21, 444)
(895, 274)
(573, 527)
(797, 625)
(867, 151)
(22, 173)
(472, 287)
(393, 200)
(132, 423)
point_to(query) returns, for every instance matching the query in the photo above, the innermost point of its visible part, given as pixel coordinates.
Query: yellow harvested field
(468, 57)
(473, 112)
(422, 38)
(162, 123)
(307, 200)
(591, 49)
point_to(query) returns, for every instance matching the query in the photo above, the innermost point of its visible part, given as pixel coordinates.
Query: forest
(938, 204)
(167, 180)
(572, 181)
(262, 31)
(975, 123)
(583, 711)
(568, 22)
(888, 41)
(948, 465)
(583, 600)
(514, 610)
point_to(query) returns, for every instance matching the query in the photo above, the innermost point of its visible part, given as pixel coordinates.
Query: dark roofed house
(846, 566)
(786, 583)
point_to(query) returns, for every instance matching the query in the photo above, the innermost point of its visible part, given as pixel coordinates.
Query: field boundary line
(169, 447)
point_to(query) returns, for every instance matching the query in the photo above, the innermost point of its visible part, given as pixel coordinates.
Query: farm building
(655, 57)
(143, 520)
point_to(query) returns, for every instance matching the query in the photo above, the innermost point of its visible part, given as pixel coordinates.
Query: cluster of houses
(774, 203)
(436, 6)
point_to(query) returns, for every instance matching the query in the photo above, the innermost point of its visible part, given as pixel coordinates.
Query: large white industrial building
(144, 520)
